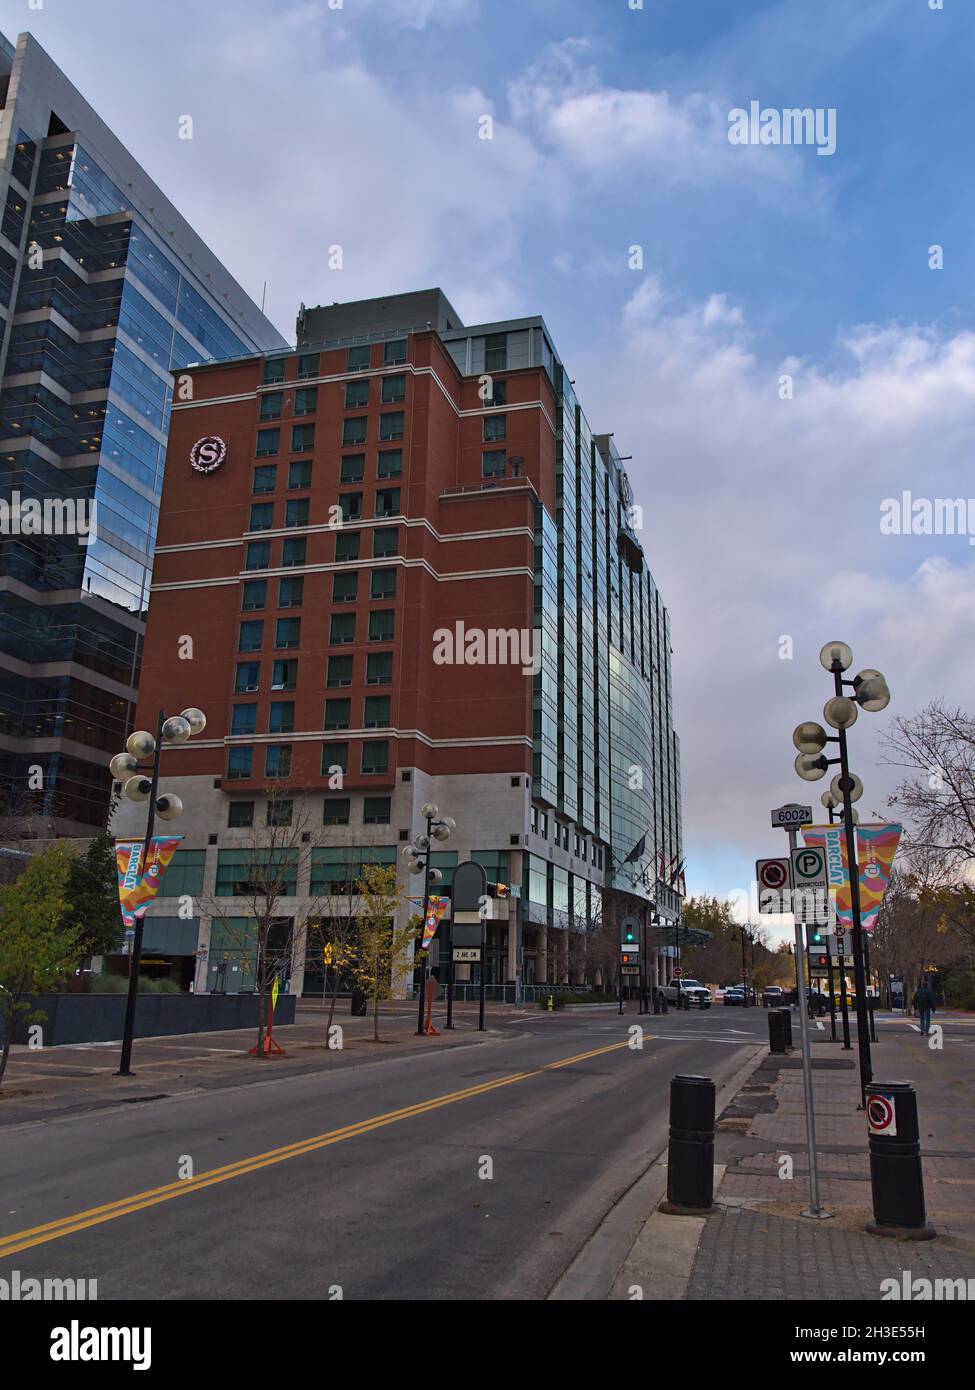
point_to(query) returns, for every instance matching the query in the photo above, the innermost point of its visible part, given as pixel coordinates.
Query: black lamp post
(417, 856)
(870, 692)
(139, 787)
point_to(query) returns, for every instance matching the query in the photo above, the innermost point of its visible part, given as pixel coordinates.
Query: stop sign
(677, 972)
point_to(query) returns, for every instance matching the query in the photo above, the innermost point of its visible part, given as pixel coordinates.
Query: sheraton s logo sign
(208, 454)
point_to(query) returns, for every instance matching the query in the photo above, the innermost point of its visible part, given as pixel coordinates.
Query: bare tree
(937, 748)
(265, 940)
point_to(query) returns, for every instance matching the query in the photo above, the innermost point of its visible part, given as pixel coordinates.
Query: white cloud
(762, 521)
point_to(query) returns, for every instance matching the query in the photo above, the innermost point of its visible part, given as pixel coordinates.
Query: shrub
(109, 984)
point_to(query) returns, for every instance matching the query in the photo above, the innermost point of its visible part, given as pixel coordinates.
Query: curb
(593, 1273)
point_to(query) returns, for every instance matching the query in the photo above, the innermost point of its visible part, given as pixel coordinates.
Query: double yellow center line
(94, 1216)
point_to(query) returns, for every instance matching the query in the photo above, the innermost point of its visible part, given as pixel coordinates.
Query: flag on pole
(638, 851)
(274, 995)
(135, 891)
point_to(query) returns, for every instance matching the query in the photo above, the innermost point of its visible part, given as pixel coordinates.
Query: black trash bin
(358, 1004)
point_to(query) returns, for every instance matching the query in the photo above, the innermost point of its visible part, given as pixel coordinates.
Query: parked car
(683, 993)
(734, 994)
(772, 996)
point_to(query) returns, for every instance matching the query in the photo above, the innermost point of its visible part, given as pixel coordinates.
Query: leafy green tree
(37, 949)
(92, 898)
(383, 950)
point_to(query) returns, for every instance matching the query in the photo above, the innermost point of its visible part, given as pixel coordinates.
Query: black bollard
(690, 1157)
(787, 1025)
(776, 1032)
(896, 1178)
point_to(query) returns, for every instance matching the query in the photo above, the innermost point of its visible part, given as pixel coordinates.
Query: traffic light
(628, 957)
(497, 890)
(817, 938)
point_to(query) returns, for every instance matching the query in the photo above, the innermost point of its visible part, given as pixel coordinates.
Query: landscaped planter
(84, 1018)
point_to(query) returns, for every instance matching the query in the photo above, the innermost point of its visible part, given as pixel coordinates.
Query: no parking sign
(881, 1116)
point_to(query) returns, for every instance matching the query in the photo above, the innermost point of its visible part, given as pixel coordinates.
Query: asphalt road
(378, 1192)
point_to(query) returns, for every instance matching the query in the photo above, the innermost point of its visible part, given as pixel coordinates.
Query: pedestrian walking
(924, 1004)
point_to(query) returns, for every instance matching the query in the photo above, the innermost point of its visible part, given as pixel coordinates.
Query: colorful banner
(832, 839)
(436, 908)
(135, 893)
(274, 995)
(876, 847)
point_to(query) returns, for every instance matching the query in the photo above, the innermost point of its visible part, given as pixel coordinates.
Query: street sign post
(468, 929)
(791, 815)
(811, 887)
(772, 876)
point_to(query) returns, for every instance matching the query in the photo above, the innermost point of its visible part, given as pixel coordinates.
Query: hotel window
(385, 541)
(277, 760)
(302, 438)
(351, 505)
(375, 757)
(240, 815)
(394, 352)
(251, 636)
(347, 545)
(273, 370)
(394, 390)
(296, 511)
(279, 812)
(342, 630)
(499, 394)
(495, 427)
(383, 584)
(352, 468)
(291, 592)
(262, 516)
(299, 474)
(357, 394)
(248, 677)
(379, 668)
(387, 501)
(271, 403)
(360, 358)
(391, 425)
(336, 810)
(258, 555)
(495, 352)
(244, 719)
(255, 595)
(380, 625)
(288, 632)
(339, 672)
(281, 717)
(265, 477)
(335, 755)
(376, 712)
(354, 430)
(293, 552)
(306, 400)
(308, 365)
(268, 442)
(240, 763)
(534, 820)
(345, 586)
(337, 714)
(284, 674)
(375, 810)
(492, 463)
(389, 463)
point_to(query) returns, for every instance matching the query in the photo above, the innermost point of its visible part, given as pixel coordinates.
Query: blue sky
(359, 127)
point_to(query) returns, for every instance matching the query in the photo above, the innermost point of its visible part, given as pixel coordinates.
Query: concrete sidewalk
(757, 1245)
(57, 1081)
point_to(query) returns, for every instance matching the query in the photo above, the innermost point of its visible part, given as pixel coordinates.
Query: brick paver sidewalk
(758, 1245)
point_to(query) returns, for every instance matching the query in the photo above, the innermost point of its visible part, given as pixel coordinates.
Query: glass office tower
(104, 291)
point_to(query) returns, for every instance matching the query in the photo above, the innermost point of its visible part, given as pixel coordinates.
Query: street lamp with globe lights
(139, 786)
(871, 693)
(417, 856)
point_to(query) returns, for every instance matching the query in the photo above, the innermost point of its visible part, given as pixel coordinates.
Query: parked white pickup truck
(683, 993)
